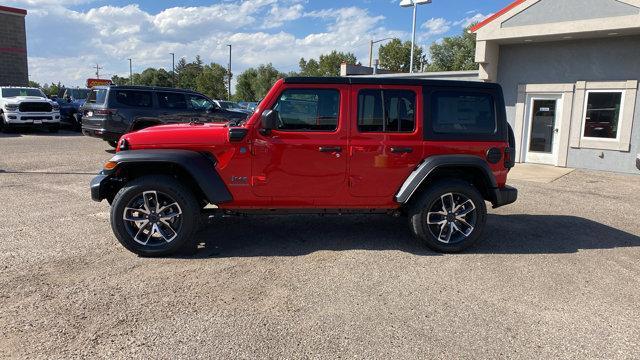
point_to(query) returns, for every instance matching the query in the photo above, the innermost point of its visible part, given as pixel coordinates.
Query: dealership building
(13, 47)
(569, 70)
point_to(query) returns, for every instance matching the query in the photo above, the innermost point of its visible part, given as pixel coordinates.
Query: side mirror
(269, 120)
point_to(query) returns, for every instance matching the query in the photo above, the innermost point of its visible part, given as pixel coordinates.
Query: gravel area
(557, 275)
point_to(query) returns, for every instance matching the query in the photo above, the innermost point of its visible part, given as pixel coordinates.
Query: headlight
(11, 107)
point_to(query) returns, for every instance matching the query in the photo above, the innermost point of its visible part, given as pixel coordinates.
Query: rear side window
(386, 111)
(174, 101)
(134, 98)
(308, 110)
(97, 96)
(462, 113)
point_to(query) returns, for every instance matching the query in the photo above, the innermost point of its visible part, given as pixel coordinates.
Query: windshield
(79, 93)
(97, 96)
(13, 92)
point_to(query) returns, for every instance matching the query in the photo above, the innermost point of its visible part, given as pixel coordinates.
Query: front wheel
(112, 143)
(155, 215)
(449, 216)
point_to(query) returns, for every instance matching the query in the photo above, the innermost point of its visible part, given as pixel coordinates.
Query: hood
(163, 136)
(28, 98)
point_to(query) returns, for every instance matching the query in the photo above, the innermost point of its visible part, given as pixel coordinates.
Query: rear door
(386, 138)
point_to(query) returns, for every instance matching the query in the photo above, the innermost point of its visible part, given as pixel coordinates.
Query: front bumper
(638, 162)
(31, 118)
(504, 196)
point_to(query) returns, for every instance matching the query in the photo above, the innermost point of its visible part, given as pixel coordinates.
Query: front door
(542, 142)
(306, 156)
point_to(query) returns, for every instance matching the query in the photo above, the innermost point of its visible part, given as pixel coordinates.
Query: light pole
(130, 73)
(371, 42)
(229, 97)
(414, 4)
(173, 69)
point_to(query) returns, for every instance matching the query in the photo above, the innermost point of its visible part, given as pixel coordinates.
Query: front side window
(134, 98)
(602, 114)
(308, 110)
(386, 111)
(463, 113)
(199, 103)
(172, 101)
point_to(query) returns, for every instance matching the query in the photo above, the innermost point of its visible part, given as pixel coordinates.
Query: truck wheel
(112, 143)
(449, 216)
(155, 215)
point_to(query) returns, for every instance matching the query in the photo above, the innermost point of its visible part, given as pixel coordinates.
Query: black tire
(183, 226)
(428, 208)
(3, 126)
(112, 143)
(77, 122)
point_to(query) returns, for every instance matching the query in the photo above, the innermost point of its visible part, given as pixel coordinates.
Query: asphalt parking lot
(557, 275)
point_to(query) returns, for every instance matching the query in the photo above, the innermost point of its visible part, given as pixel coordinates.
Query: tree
(119, 80)
(34, 84)
(326, 65)
(211, 81)
(254, 83)
(455, 53)
(396, 55)
(187, 73)
(53, 89)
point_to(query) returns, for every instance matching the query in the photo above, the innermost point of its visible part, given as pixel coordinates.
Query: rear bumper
(638, 162)
(100, 133)
(505, 196)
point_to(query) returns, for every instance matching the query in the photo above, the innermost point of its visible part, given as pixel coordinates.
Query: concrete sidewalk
(538, 173)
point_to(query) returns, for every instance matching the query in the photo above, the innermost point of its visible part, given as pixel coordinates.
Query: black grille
(35, 107)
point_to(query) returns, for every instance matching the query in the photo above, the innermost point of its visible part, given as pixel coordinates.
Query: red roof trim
(13, 10)
(497, 15)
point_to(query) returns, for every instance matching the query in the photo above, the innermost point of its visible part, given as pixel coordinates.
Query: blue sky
(67, 37)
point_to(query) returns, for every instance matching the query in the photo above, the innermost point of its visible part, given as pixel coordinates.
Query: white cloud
(436, 26)
(476, 18)
(279, 15)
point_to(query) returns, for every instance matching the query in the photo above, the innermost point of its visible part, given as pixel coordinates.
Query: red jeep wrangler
(434, 151)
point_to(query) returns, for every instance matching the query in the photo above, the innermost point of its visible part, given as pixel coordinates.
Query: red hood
(178, 134)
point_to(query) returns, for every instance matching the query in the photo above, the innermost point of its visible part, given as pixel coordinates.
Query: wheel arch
(470, 168)
(195, 169)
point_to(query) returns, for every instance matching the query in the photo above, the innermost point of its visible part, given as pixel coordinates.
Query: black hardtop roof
(363, 80)
(146, 88)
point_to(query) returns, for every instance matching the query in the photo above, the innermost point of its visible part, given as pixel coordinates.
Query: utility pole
(173, 69)
(130, 73)
(230, 75)
(371, 42)
(98, 68)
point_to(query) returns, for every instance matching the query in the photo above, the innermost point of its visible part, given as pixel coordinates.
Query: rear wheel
(449, 216)
(155, 215)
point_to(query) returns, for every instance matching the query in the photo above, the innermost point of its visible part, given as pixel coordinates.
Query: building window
(602, 114)
(308, 110)
(386, 111)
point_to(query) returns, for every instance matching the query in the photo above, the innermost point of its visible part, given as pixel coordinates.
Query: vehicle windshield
(13, 92)
(78, 94)
(229, 105)
(97, 96)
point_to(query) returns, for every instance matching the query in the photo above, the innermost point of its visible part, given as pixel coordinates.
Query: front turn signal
(110, 165)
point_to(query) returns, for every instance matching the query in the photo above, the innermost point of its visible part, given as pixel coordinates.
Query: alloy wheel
(452, 218)
(153, 218)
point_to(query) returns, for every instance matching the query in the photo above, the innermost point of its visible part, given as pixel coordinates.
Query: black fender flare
(199, 166)
(432, 163)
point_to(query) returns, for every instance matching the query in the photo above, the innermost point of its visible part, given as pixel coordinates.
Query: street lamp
(173, 69)
(130, 73)
(414, 4)
(371, 42)
(229, 97)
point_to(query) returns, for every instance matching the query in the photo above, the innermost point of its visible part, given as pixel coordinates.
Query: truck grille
(35, 107)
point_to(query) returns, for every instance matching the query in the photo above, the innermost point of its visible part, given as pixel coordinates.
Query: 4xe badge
(239, 180)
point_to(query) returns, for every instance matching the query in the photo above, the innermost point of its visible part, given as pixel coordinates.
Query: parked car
(70, 101)
(232, 106)
(433, 151)
(24, 106)
(251, 105)
(112, 111)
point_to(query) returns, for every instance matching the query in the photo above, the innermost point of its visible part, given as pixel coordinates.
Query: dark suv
(112, 111)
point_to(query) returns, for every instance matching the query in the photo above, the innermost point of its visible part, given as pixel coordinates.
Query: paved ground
(557, 276)
(538, 173)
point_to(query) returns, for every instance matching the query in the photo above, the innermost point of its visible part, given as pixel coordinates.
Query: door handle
(330, 149)
(401, 150)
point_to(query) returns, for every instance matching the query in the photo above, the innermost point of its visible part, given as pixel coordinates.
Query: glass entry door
(543, 129)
